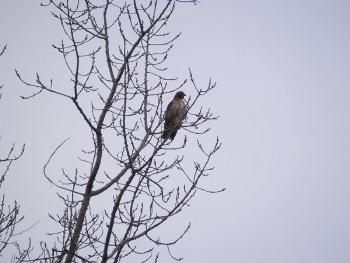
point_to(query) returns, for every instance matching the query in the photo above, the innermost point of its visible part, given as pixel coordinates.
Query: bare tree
(9, 214)
(116, 54)
(2, 53)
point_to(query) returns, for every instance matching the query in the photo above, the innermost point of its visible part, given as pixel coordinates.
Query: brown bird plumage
(174, 115)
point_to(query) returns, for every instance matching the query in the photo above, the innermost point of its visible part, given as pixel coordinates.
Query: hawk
(174, 115)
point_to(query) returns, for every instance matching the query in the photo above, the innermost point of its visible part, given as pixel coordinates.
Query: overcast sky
(283, 73)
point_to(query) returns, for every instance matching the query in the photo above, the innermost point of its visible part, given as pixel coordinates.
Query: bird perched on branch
(174, 115)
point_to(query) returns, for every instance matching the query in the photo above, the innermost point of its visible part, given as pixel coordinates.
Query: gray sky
(283, 72)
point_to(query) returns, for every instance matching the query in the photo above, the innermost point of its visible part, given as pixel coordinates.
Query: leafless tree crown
(9, 214)
(116, 55)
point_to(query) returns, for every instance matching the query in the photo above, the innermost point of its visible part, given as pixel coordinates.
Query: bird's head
(180, 95)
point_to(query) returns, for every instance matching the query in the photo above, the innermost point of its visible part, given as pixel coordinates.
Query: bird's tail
(165, 133)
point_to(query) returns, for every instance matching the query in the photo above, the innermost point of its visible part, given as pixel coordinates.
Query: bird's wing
(169, 113)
